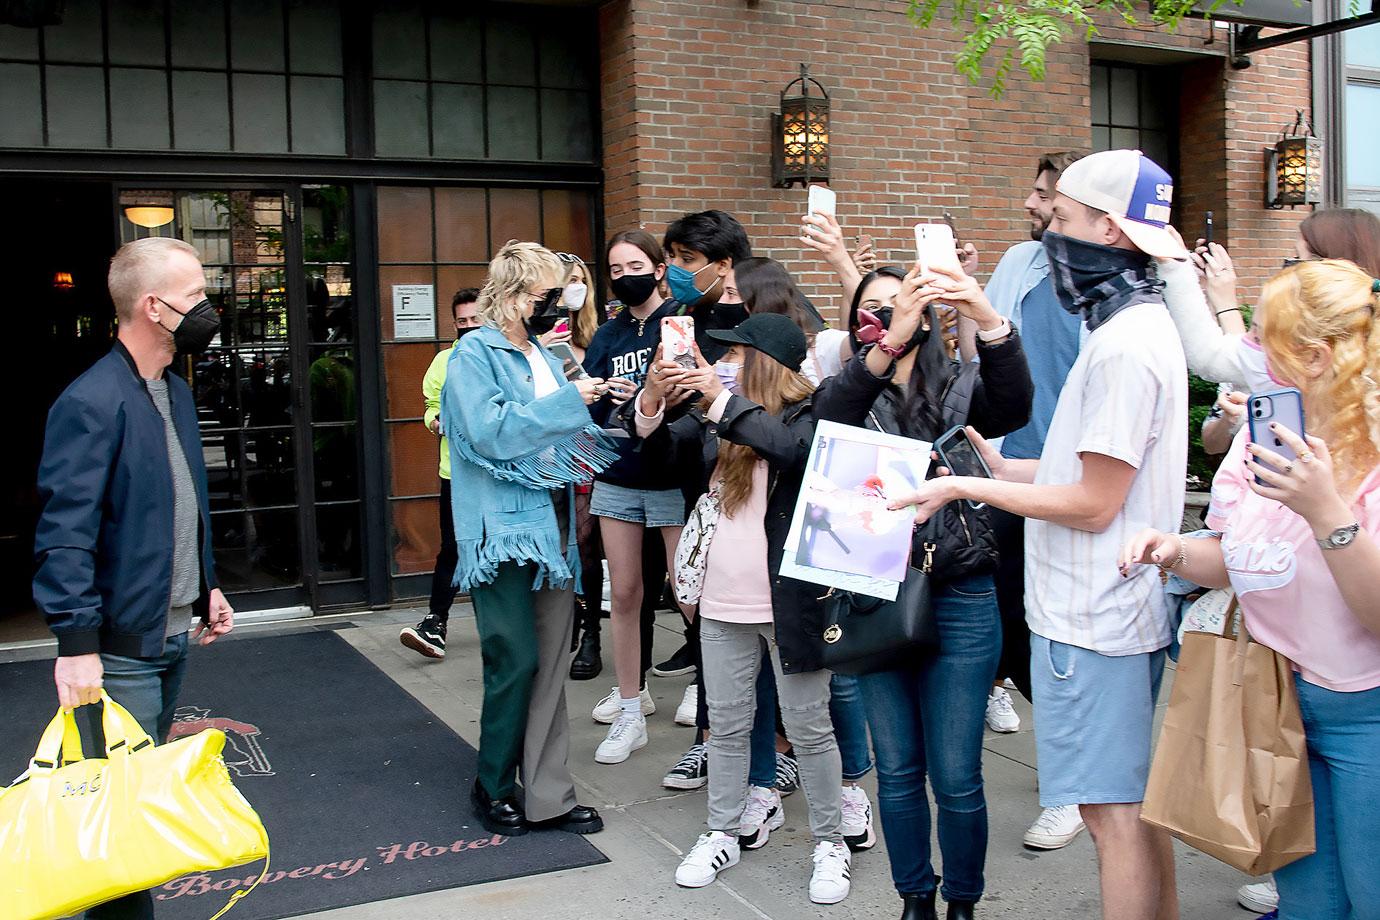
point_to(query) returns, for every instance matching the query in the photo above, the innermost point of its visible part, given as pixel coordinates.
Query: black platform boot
(960, 910)
(918, 907)
(588, 661)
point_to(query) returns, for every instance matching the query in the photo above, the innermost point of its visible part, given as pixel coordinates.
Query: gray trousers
(732, 655)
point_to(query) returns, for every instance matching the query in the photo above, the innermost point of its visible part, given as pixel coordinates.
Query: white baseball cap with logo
(1134, 191)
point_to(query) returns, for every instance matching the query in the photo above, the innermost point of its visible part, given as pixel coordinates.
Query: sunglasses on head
(1290, 263)
(568, 259)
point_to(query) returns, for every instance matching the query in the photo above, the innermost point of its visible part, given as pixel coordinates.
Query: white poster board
(842, 534)
(414, 311)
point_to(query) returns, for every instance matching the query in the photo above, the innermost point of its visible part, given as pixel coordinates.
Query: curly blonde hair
(518, 269)
(1329, 303)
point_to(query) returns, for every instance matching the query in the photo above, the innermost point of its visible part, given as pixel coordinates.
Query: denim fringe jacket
(508, 452)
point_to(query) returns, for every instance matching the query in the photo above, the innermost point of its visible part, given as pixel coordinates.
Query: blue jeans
(850, 726)
(926, 721)
(1341, 881)
(148, 688)
(762, 742)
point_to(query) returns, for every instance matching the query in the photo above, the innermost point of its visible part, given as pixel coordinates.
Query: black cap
(773, 334)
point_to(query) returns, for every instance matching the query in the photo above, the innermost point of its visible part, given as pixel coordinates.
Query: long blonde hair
(1330, 303)
(771, 385)
(516, 269)
(586, 319)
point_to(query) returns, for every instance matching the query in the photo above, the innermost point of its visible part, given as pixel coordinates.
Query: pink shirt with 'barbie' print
(1286, 590)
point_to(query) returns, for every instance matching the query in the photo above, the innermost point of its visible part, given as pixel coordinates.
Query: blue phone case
(1284, 407)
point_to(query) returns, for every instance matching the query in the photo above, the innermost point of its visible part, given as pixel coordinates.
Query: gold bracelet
(1180, 559)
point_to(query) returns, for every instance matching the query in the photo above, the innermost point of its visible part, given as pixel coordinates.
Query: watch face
(1343, 536)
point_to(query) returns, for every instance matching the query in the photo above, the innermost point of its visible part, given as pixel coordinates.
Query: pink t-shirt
(737, 585)
(1286, 590)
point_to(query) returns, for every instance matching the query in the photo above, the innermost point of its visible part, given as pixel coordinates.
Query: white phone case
(935, 247)
(822, 199)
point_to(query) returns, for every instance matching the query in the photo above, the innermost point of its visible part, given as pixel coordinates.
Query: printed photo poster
(842, 534)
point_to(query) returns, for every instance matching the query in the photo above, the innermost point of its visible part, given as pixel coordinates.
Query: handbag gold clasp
(929, 558)
(833, 634)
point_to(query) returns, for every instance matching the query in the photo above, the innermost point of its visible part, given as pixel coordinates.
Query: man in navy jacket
(124, 541)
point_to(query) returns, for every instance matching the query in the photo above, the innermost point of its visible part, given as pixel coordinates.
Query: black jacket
(784, 442)
(1000, 404)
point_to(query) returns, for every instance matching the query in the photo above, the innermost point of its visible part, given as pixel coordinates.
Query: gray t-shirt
(186, 563)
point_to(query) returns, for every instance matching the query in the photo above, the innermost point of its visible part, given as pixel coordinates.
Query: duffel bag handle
(59, 745)
(123, 733)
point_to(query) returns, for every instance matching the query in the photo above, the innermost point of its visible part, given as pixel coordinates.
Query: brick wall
(689, 88)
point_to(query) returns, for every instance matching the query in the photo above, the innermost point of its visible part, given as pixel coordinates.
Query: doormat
(365, 792)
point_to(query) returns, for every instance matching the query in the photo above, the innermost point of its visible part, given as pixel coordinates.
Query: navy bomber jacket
(104, 541)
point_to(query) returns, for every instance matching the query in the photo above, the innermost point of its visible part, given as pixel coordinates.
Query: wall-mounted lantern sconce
(1293, 166)
(800, 134)
(62, 281)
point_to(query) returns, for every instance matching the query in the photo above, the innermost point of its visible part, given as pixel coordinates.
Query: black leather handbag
(863, 634)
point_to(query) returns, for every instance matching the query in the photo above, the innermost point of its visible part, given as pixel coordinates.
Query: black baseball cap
(773, 334)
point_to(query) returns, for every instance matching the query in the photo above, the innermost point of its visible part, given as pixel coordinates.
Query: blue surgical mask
(682, 283)
(727, 372)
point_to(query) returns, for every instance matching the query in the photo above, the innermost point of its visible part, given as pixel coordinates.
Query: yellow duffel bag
(75, 833)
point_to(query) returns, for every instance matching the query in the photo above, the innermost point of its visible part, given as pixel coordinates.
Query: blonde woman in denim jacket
(520, 439)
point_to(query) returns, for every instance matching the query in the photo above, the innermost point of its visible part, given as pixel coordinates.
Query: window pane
(400, 42)
(404, 226)
(1362, 135)
(1125, 139)
(314, 39)
(198, 33)
(566, 222)
(136, 33)
(512, 123)
(18, 43)
(416, 535)
(1363, 46)
(404, 367)
(139, 109)
(318, 115)
(564, 61)
(460, 231)
(455, 48)
(337, 539)
(201, 111)
(1101, 112)
(400, 119)
(457, 120)
(449, 280)
(256, 35)
(1155, 93)
(76, 107)
(1155, 145)
(1100, 139)
(510, 52)
(21, 110)
(566, 129)
(78, 39)
(514, 214)
(260, 113)
(1124, 96)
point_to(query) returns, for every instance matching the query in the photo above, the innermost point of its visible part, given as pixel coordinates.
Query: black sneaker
(682, 662)
(691, 772)
(427, 637)
(787, 774)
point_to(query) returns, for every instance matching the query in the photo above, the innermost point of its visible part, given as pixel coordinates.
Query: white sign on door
(414, 311)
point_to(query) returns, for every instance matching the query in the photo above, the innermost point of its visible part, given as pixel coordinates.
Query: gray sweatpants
(732, 655)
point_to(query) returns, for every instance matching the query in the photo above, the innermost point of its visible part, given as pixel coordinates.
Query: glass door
(276, 392)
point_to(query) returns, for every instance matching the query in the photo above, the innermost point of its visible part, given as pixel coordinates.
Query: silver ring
(1307, 457)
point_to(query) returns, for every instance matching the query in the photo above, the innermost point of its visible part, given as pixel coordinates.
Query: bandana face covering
(1098, 281)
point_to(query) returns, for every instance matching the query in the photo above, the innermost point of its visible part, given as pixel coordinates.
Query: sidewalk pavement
(648, 828)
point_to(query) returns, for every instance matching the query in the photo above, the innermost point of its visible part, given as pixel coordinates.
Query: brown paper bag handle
(1243, 640)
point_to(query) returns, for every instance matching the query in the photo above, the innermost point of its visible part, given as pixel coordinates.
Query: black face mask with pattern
(1098, 281)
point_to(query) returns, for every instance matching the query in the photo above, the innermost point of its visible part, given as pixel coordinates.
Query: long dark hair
(1344, 233)
(766, 287)
(921, 409)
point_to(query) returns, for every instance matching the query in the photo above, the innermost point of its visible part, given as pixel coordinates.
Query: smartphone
(1284, 408)
(961, 457)
(935, 247)
(573, 369)
(1207, 229)
(563, 325)
(953, 228)
(865, 239)
(678, 340)
(822, 199)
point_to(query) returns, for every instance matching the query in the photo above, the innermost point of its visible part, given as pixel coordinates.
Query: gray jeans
(732, 654)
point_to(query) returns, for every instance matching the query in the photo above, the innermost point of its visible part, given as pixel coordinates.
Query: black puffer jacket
(783, 440)
(1000, 404)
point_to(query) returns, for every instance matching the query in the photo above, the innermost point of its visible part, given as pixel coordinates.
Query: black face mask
(463, 331)
(545, 314)
(728, 315)
(198, 327)
(633, 290)
(917, 339)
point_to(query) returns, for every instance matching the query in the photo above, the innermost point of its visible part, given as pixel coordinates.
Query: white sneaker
(829, 882)
(763, 814)
(712, 853)
(1001, 717)
(1261, 897)
(1055, 828)
(607, 709)
(689, 703)
(627, 734)
(857, 828)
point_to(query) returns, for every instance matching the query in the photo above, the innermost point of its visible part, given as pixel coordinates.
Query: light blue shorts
(649, 507)
(1093, 722)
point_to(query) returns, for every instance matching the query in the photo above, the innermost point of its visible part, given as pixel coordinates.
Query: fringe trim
(479, 559)
(573, 459)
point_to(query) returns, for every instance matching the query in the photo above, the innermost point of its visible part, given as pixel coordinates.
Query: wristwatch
(993, 335)
(1340, 537)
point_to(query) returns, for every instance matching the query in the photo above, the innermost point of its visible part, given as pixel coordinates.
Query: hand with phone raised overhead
(961, 291)
(822, 233)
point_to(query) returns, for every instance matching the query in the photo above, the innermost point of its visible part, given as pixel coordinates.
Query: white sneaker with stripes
(712, 853)
(829, 883)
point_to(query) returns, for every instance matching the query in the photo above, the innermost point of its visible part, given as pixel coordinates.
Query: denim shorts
(1093, 718)
(650, 507)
